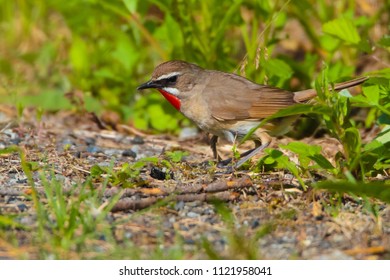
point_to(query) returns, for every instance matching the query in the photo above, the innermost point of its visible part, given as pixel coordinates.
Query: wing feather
(229, 102)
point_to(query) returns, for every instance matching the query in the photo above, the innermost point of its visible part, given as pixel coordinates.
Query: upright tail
(307, 94)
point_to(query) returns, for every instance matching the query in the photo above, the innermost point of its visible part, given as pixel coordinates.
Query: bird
(227, 105)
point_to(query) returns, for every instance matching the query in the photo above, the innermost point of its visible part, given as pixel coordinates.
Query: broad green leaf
(177, 156)
(48, 100)
(302, 148)
(307, 152)
(353, 139)
(343, 29)
(279, 68)
(131, 5)
(372, 94)
(6, 221)
(384, 41)
(284, 162)
(339, 69)
(374, 189)
(170, 33)
(321, 161)
(384, 119)
(79, 56)
(149, 159)
(140, 121)
(373, 145)
(384, 136)
(360, 100)
(125, 53)
(92, 104)
(97, 171)
(329, 43)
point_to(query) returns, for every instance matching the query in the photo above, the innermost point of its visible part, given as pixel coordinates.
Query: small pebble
(90, 141)
(138, 140)
(189, 241)
(129, 153)
(188, 133)
(159, 174)
(22, 207)
(192, 215)
(93, 149)
(179, 205)
(255, 224)
(110, 152)
(16, 141)
(67, 141)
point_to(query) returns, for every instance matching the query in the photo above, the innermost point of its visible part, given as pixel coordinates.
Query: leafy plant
(378, 190)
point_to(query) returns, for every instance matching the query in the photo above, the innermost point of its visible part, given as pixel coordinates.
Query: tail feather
(307, 94)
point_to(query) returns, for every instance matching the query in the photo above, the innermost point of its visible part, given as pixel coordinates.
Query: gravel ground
(293, 223)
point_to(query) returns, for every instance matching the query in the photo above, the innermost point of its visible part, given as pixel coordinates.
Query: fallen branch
(181, 189)
(127, 203)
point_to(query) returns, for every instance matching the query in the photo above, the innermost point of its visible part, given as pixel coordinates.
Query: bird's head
(174, 79)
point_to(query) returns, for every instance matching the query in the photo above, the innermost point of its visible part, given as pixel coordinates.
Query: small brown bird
(227, 105)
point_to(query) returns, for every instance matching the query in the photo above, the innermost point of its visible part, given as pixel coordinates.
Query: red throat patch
(171, 98)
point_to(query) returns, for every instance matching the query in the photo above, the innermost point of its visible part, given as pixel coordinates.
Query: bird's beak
(149, 84)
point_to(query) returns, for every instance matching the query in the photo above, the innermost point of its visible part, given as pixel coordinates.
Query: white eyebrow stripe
(169, 75)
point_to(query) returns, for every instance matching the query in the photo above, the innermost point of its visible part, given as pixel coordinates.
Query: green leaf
(284, 162)
(306, 153)
(48, 100)
(302, 148)
(79, 56)
(384, 41)
(329, 43)
(92, 104)
(177, 156)
(131, 5)
(170, 33)
(321, 161)
(374, 189)
(125, 53)
(279, 68)
(343, 29)
(384, 136)
(9, 222)
(96, 171)
(372, 94)
(353, 139)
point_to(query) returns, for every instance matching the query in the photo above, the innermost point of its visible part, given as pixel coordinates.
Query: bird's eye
(172, 80)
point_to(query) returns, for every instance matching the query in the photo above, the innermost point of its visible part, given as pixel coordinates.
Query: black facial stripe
(168, 82)
(172, 80)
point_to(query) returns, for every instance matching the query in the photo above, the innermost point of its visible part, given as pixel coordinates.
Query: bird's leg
(225, 162)
(213, 145)
(261, 144)
(251, 153)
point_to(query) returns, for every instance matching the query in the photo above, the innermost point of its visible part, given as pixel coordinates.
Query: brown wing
(231, 103)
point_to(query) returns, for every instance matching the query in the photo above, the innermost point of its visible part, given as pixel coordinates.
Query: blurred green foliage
(105, 48)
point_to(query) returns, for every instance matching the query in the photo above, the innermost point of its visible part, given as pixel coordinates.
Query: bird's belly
(239, 130)
(231, 131)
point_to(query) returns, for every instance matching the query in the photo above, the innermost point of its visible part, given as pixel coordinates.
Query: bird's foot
(226, 166)
(225, 170)
(224, 163)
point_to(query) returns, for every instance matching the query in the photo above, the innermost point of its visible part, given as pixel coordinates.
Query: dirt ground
(293, 223)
